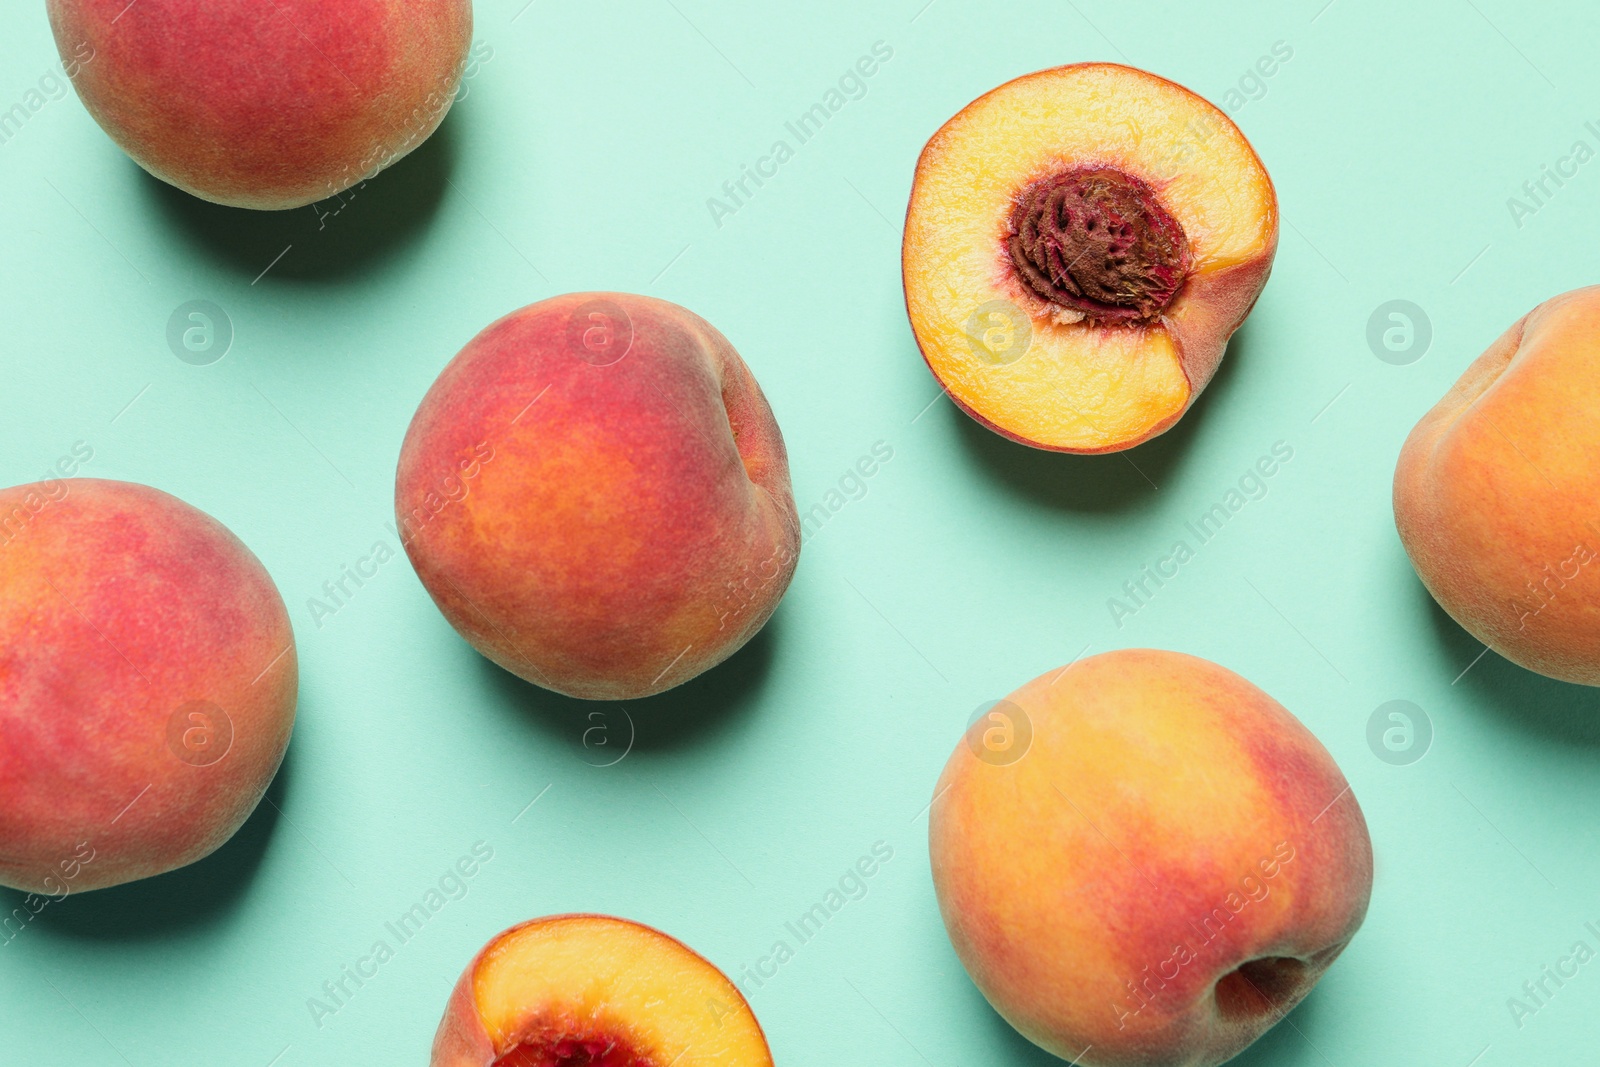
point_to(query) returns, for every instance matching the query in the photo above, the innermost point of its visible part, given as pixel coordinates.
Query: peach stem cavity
(1269, 984)
(1096, 241)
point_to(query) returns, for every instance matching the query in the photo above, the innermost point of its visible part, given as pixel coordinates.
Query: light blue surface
(583, 158)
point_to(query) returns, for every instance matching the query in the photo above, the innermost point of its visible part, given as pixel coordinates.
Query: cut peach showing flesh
(594, 991)
(1080, 245)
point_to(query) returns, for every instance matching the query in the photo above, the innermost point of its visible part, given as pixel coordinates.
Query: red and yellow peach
(1494, 490)
(273, 106)
(596, 495)
(1163, 866)
(147, 684)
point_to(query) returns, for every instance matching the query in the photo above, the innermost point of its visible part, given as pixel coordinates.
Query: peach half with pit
(1143, 860)
(1080, 245)
(595, 991)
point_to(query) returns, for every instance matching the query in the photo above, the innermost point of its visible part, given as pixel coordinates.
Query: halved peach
(594, 991)
(1080, 245)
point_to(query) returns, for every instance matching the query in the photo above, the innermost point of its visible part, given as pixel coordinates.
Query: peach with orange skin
(1164, 872)
(1079, 247)
(1494, 493)
(595, 991)
(596, 495)
(270, 107)
(147, 684)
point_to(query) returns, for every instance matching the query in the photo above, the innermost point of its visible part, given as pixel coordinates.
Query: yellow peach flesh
(592, 980)
(1081, 387)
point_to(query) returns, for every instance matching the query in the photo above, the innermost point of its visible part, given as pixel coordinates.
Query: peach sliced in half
(1080, 245)
(595, 991)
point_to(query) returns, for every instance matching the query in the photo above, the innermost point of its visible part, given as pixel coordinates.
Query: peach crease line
(531, 803)
(532, 402)
(929, 805)
(130, 804)
(271, 665)
(671, 665)
(1331, 803)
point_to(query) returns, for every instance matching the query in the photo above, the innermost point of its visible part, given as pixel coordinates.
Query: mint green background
(582, 158)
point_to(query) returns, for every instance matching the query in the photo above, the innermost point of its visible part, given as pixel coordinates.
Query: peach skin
(596, 495)
(1494, 491)
(147, 684)
(264, 106)
(1080, 245)
(593, 991)
(1143, 860)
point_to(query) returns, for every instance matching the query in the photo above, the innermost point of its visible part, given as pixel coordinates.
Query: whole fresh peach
(1495, 489)
(596, 495)
(1145, 861)
(147, 684)
(272, 105)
